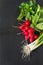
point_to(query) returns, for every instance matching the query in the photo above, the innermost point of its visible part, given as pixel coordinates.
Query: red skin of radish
(26, 37)
(25, 33)
(31, 30)
(24, 25)
(36, 36)
(21, 27)
(26, 28)
(31, 39)
(27, 23)
(31, 34)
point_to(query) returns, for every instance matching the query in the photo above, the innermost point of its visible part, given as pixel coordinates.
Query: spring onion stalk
(28, 48)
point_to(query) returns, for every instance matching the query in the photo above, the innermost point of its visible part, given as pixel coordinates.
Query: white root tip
(26, 51)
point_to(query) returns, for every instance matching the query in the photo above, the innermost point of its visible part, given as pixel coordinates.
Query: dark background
(9, 41)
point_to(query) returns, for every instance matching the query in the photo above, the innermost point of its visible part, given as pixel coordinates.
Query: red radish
(21, 27)
(27, 22)
(26, 28)
(36, 36)
(26, 37)
(25, 33)
(31, 39)
(31, 34)
(31, 30)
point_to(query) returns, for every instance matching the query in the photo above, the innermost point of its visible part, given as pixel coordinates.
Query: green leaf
(31, 11)
(32, 2)
(40, 26)
(26, 6)
(22, 5)
(38, 8)
(20, 17)
(35, 19)
(41, 10)
(41, 20)
(28, 17)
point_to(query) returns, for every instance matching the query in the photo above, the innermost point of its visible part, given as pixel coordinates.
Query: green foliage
(33, 12)
(27, 9)
(35, 18)
(40, 26)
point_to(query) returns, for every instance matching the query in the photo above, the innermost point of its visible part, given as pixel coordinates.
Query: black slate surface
(9, 42)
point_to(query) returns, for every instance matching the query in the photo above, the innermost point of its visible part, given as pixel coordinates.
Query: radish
(36, 36)
(31, 39)
(27, 23)
(31, 30)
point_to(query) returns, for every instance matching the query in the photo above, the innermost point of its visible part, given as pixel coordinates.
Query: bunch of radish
(32, 27)
(28, 31)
